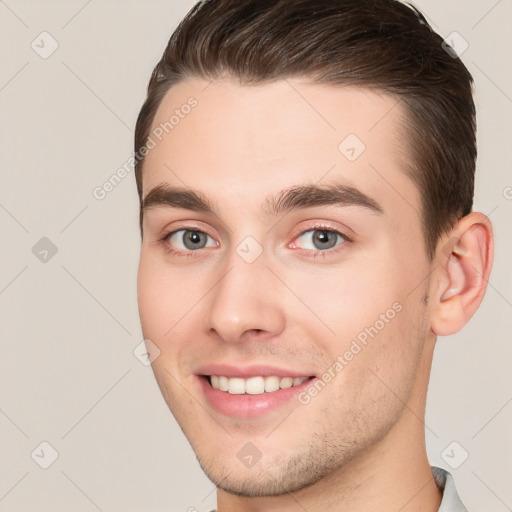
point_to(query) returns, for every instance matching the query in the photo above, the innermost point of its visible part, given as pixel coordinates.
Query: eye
(190, 240)
(320, 239)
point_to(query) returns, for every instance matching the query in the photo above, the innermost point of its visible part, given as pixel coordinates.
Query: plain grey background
(68, 310)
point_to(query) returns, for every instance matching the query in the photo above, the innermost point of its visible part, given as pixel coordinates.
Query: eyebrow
(294, 198)
(175, 197)
(307, 196)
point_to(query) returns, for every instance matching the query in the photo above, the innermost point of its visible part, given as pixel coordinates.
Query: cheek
(365, 316)
(380, 377)
(151, 298)
(346, 299)
(162, 297)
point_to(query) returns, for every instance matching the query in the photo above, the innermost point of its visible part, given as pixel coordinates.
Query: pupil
(192, 239)
(325, 239)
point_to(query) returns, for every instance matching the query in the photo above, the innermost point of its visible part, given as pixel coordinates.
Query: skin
(348, 448)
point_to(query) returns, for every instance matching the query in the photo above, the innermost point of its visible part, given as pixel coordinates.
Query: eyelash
(313, 254)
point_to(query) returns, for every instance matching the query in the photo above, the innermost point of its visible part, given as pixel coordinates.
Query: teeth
(286, 382)
(272, 384)
(223, 383)
(254, 385)
(236, 386)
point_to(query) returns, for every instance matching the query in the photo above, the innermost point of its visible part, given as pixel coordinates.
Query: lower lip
(249, 406)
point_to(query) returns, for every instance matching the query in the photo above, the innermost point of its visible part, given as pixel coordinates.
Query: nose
(245, 301)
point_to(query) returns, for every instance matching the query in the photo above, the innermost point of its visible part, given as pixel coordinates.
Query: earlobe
(464, 268)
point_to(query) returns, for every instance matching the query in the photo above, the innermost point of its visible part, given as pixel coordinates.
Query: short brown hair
(380, 44)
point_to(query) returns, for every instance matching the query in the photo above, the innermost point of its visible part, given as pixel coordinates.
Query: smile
(254, 385)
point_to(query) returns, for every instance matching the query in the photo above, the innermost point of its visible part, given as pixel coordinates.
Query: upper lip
(245, 372)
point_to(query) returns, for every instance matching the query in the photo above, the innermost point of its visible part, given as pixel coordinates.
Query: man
(306, 170)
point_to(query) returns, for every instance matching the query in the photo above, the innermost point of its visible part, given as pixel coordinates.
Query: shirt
(451, 501)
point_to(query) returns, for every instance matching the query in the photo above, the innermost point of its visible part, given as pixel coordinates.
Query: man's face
(272, 289)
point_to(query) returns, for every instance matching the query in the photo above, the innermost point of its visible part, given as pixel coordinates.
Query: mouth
(257, 385)
(251, 393)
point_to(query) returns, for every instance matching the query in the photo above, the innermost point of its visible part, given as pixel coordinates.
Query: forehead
(239, 142)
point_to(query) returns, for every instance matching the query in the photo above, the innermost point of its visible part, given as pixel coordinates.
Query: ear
(464, 261)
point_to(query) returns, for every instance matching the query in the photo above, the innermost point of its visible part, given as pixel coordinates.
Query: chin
(291, 475)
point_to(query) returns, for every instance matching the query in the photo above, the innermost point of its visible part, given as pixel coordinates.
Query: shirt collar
(451, 501)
